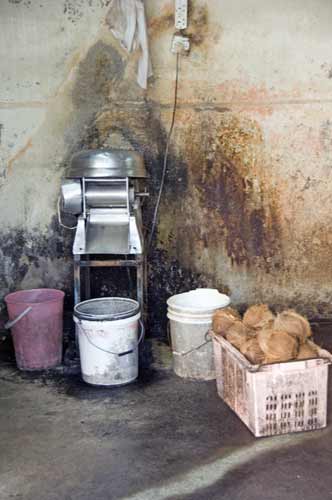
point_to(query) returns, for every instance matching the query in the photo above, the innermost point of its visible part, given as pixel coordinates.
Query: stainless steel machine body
(102, 190)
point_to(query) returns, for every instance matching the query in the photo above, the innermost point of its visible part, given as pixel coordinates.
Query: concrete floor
(159, 438)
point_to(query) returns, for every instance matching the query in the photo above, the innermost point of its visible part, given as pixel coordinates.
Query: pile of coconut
(266, 338)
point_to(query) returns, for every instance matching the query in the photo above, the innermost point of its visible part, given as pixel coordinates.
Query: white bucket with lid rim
(107, 331)
(190, 315)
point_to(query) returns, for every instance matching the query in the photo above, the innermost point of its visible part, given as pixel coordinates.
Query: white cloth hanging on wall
(127, 21)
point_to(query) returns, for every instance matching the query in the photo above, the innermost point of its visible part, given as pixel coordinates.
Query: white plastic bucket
(107, 331)
(190, 315)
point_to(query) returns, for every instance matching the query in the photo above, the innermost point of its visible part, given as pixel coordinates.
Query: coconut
(223, 319)
(252, 351)
(237, 334)
(307, 351)
(251, 332)
(277, 345)
(258, 316)
(294, 324)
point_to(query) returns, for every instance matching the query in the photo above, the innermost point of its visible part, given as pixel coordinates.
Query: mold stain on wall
(228, 207)
(201, 29)
(232, 188)
(220, 216)
(31, 259)
(214, 202)
(98, 98)
(36, 257)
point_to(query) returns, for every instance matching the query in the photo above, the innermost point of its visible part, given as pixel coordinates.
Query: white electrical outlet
(180, 44)
(181, 14)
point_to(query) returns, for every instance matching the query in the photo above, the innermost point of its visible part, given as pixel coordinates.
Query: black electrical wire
(164, 171)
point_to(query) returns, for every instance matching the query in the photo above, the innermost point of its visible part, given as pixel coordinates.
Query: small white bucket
(107, 331)
(190, 315)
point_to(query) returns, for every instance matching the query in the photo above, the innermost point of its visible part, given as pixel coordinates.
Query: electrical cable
(164, 171)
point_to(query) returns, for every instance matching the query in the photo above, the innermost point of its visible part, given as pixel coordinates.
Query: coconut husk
(258, 316)
(307, 351)
(223, 319)
(294, 324)
(252, 351)
(251, 332)
(277, 345)
(237, 334)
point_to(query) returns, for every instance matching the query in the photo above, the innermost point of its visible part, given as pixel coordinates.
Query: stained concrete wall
(247, 205)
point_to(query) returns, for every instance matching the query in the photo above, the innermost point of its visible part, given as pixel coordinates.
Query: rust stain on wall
(220, 203)
(198, 29)
(217, 202)
(19, 155)
(229, 206)
(163, 22)
(218, 198)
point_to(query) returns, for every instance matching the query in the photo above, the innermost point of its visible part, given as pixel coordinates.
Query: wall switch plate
(180, 44)
(181, 14)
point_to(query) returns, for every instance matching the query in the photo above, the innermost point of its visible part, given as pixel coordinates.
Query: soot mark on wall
(219, 203)
(21, 251)
(217, 171)
(210, 171)
(101, 69)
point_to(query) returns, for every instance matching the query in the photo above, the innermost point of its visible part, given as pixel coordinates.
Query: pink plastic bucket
(37, 335)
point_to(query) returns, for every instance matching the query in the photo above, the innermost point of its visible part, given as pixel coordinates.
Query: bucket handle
(13, 322)
(207, 340)
(111, 352)
(169, 338)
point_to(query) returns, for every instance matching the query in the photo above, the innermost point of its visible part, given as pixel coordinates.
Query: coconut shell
(237, 334)
(277, 345)
(258, 316)
(223, 319)
(307, 351)
(252, 351)
(294, 324)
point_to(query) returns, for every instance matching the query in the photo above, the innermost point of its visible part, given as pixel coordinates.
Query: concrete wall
(247, 205)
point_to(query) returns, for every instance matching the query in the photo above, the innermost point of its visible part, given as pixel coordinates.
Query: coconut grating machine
(102, 189)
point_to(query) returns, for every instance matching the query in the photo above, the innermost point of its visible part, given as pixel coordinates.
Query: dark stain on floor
(115, 442)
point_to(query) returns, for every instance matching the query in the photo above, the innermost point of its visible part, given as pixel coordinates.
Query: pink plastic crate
(272, 399)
